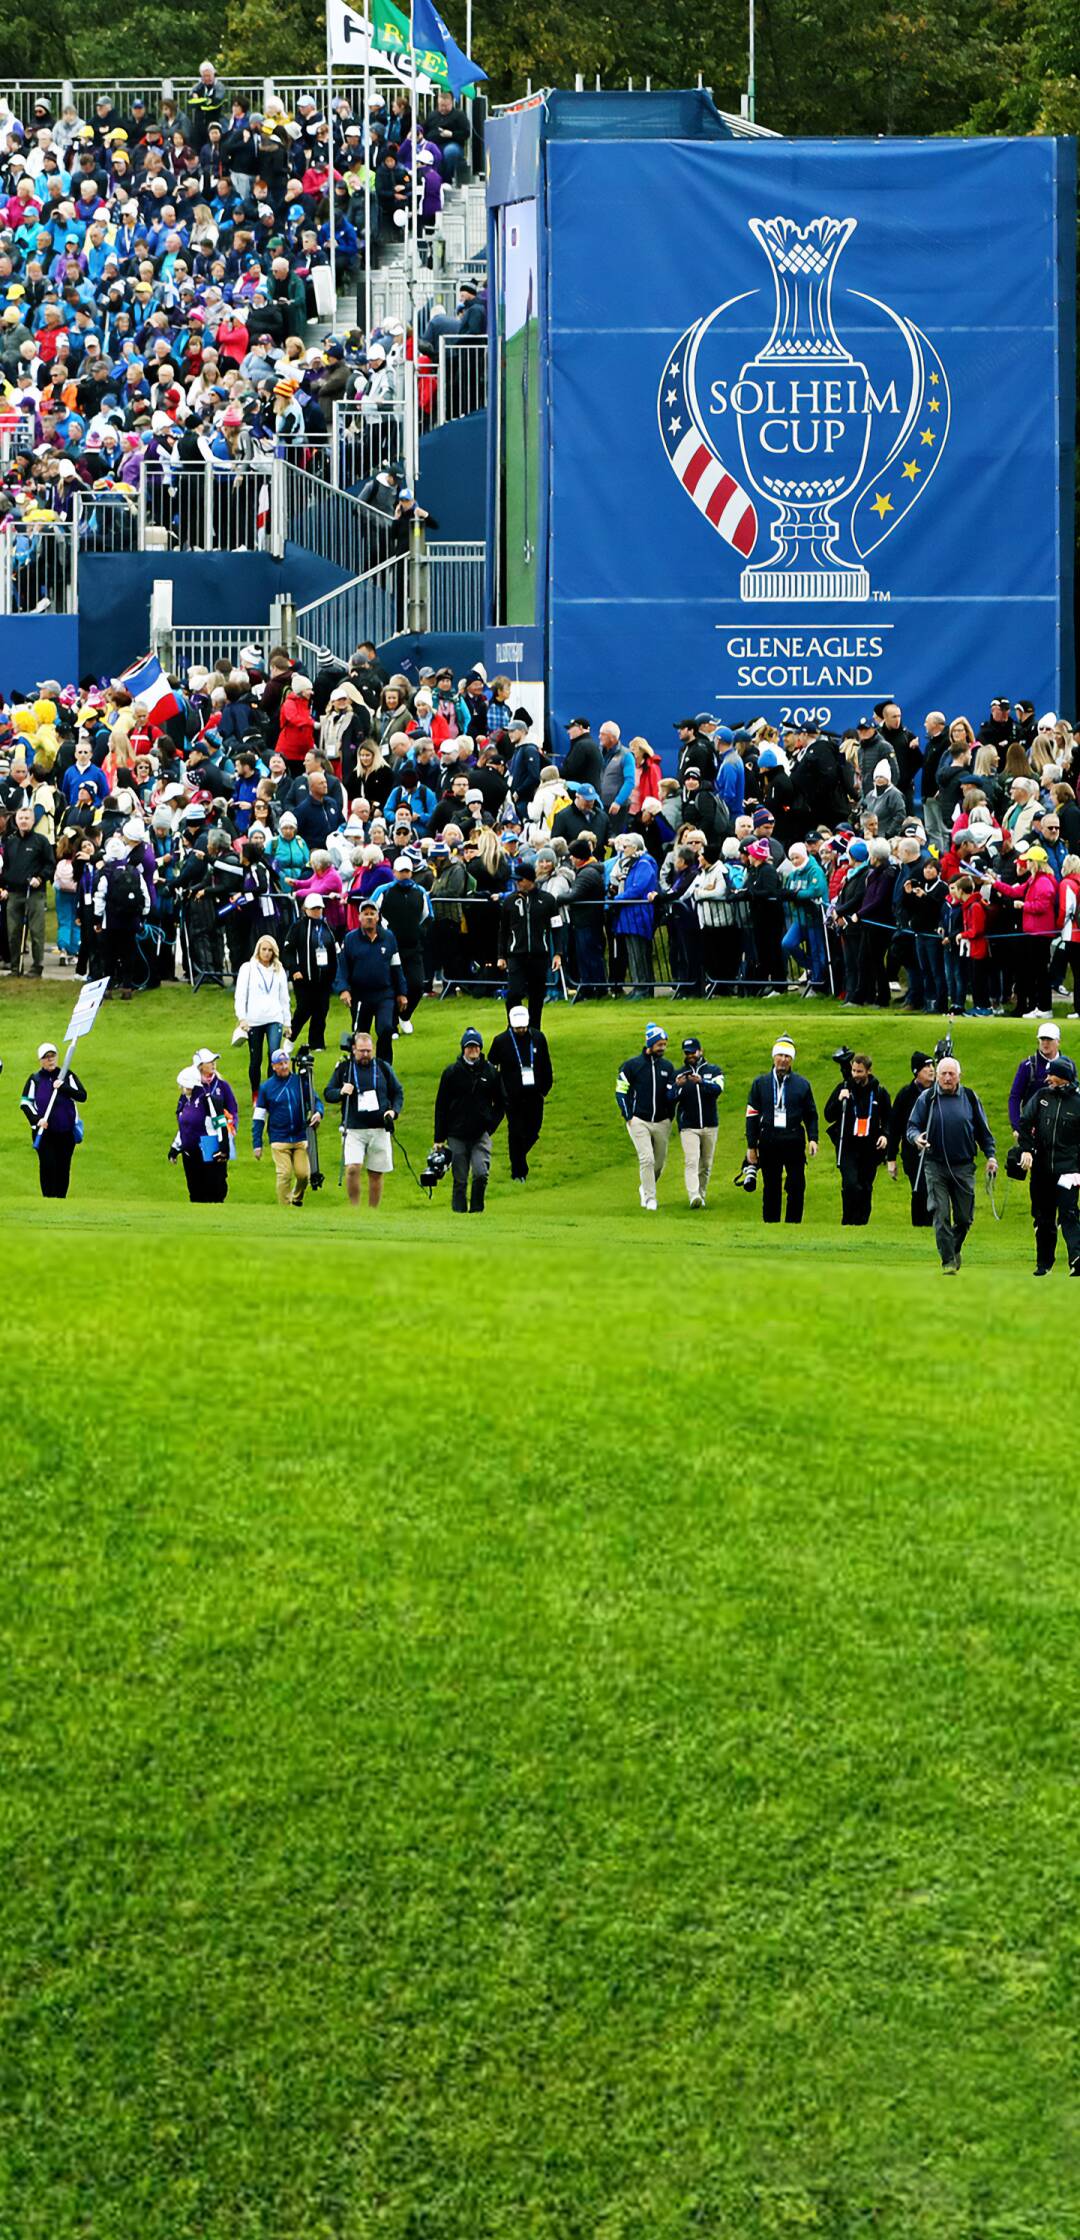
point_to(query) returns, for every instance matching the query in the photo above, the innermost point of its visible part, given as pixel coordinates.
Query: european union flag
(429, 30)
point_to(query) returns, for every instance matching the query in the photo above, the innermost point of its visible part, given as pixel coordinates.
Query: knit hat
(1062, 1069)
(783, 1047)
(654, 1034)
(472, 1035)
(919, 1059)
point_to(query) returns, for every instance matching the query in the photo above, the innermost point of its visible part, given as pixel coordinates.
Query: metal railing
(203, 645)
(454, 587)
(108, 520)
(463, 376)
(39, 567)
(365, 438)
(373, 605)
(83, 93)
(333, 523)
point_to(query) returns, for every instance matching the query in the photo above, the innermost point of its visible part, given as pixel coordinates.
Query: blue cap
(723, 734)
(472, 1034)
(858, 852)
(653, 1033)
(768, 759)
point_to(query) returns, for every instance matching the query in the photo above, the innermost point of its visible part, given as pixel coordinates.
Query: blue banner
(811, 428)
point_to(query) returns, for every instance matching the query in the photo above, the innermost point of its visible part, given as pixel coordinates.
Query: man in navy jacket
(371, 979)
(781, 1129)
(645, 1093)
(281, 1112)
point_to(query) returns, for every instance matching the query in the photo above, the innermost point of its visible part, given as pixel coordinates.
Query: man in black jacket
(524, 936)
(922, 1077)
(857, 1120)
(405, 908)
(524, 1064)
(781, 1129)
(583, 760)
(586, 913)
(27, 867)
(310, 959)
(1050, 1154)
(469, 1105)
(700, 1087)
(371, 1098)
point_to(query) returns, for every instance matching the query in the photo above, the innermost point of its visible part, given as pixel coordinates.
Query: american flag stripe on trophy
(698, 466)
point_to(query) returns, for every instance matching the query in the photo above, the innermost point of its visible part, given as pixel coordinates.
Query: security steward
(781, 1129)
(371, 1098)
(524, 1064)
(524, 932)
(857, 1122)
(370, 979)
(699, 1087)
(468, 1109)
(311, 956)
(1050, 1154)
(922, 1077)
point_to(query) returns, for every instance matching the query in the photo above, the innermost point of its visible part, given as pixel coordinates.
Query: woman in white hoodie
(262, 1006)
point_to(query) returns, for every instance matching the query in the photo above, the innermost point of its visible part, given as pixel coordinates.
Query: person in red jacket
(976, 922)
(1037, 895)
(296, 731)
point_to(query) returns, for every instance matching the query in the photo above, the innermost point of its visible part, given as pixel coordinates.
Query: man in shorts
(371, 1098)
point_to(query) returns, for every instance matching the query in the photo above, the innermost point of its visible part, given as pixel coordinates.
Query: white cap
(518, 1015)
(1048, 722)
(1048, 1032)
(45, 1047)
(403, 863)
(188, 1077)
(314, 902)
(205, 1058)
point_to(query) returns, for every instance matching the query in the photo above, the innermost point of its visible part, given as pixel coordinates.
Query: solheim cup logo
(830, 451)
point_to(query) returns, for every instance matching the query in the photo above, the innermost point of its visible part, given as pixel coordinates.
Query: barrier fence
(462, 377)
(39, 567)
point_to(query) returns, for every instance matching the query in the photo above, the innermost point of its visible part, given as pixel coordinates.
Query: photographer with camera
(857, 1122)
(699, 1088)
(922, 1077)
(947, 1124)
(1050, 1154)
(469, 1105)
(371, 1098)
(781, 1130)
(283, 1111)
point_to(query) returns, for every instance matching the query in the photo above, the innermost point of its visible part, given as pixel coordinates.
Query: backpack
(125, 900)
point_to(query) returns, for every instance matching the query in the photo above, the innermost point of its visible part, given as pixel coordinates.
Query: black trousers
(782, 1164)
(526, 982)
(524, 1120)
(207, 1179)
(857, 1171)
(1052, 1208)
(55, 1153)
(380, 1016)
(912, 1162)
(312, 1005)
(122, 962)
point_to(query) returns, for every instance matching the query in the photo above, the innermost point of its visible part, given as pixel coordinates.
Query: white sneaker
(406, 1026)
(1033, 1014)
(697, 1199)
(649, 1204)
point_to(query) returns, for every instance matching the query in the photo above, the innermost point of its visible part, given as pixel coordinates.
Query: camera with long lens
(746, 1179)
(843, 1058)
(436, 1164)
(304, 1068)
(943, 1048)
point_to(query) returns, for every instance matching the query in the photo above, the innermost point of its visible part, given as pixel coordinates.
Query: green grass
(560, 1726)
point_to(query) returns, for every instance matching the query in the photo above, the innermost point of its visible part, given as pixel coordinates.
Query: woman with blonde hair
(262, 1006)
(649, 777)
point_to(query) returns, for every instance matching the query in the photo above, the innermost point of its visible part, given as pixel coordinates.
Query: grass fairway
(557, 1727)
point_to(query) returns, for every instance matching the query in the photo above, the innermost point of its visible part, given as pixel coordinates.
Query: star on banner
(926, 435)
(882, 505)
(934, 379)
(935, 404)
(670, 397)
(910, 469)
(674, 424)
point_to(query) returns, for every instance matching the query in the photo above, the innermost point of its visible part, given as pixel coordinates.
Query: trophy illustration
(804, 426)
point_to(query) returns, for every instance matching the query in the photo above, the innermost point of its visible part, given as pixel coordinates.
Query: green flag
(390, 34)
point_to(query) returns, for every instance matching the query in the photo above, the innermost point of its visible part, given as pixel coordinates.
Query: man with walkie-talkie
(371, 1098)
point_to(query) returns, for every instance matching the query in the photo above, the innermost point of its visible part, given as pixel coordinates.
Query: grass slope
(562, 1725)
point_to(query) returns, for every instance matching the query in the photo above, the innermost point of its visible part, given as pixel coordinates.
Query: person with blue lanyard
(281, 1111)
(857, 1118)
(371, 1098)
(524, 1064)
(781, 1129)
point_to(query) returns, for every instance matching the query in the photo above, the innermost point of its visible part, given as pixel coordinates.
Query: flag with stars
(693, 459)
(892, 489)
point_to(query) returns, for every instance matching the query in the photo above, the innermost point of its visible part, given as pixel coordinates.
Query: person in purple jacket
(206, 1114)
(49, 1100)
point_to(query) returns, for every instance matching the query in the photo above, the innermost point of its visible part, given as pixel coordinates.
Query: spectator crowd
(158, 278)
(940, 871)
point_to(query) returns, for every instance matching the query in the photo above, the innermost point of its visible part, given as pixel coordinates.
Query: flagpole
(330, 129)
(368, 244)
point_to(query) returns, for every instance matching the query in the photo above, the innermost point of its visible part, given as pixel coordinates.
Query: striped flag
(146, 681)
(700, 469)
(262, 517)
